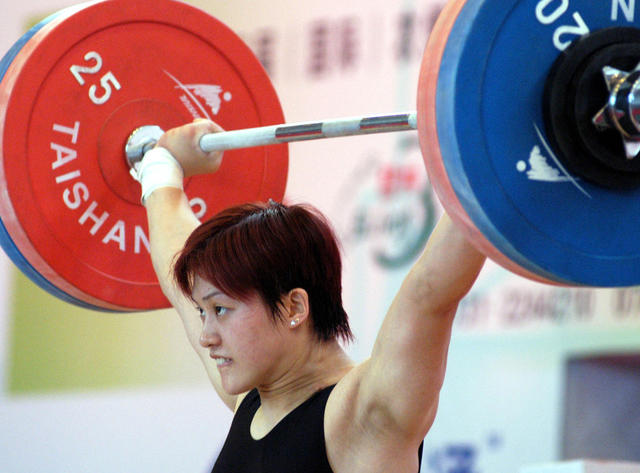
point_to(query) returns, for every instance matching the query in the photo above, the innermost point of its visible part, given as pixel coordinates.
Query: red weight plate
(5, 240)
(72, 97)
(429, 142)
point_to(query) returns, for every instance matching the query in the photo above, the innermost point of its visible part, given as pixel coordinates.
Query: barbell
(528, 119)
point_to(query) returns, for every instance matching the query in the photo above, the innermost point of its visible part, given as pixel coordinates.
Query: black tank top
(295, 445)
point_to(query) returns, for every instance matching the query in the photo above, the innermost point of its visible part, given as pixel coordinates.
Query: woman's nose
(209, 336)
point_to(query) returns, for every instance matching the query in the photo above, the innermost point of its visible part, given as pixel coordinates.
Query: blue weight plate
(6, 242)
(497, 157)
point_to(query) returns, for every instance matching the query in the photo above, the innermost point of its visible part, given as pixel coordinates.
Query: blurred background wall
(536, 373)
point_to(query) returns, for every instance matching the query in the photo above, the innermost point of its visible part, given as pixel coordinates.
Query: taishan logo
(201, 100)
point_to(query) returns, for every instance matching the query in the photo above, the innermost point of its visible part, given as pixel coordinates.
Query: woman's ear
(296, 305)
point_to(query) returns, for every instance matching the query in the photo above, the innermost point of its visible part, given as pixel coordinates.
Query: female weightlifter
(268, 320)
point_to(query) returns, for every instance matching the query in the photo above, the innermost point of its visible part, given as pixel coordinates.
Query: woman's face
(241, 337)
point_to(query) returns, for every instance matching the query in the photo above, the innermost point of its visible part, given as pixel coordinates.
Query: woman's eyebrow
(212, 294)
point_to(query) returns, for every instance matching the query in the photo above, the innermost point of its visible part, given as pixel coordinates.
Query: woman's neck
(315, 367)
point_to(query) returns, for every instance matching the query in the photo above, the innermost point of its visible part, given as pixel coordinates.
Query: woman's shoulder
(357, 436)
(344, 396)
(341, 425)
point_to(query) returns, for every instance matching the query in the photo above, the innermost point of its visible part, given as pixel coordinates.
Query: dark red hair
(270, 249)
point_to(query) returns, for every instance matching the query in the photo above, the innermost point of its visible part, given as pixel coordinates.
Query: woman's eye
(220, 310)
(217, 310)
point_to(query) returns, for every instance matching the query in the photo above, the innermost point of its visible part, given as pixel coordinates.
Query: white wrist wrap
(157, 169)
